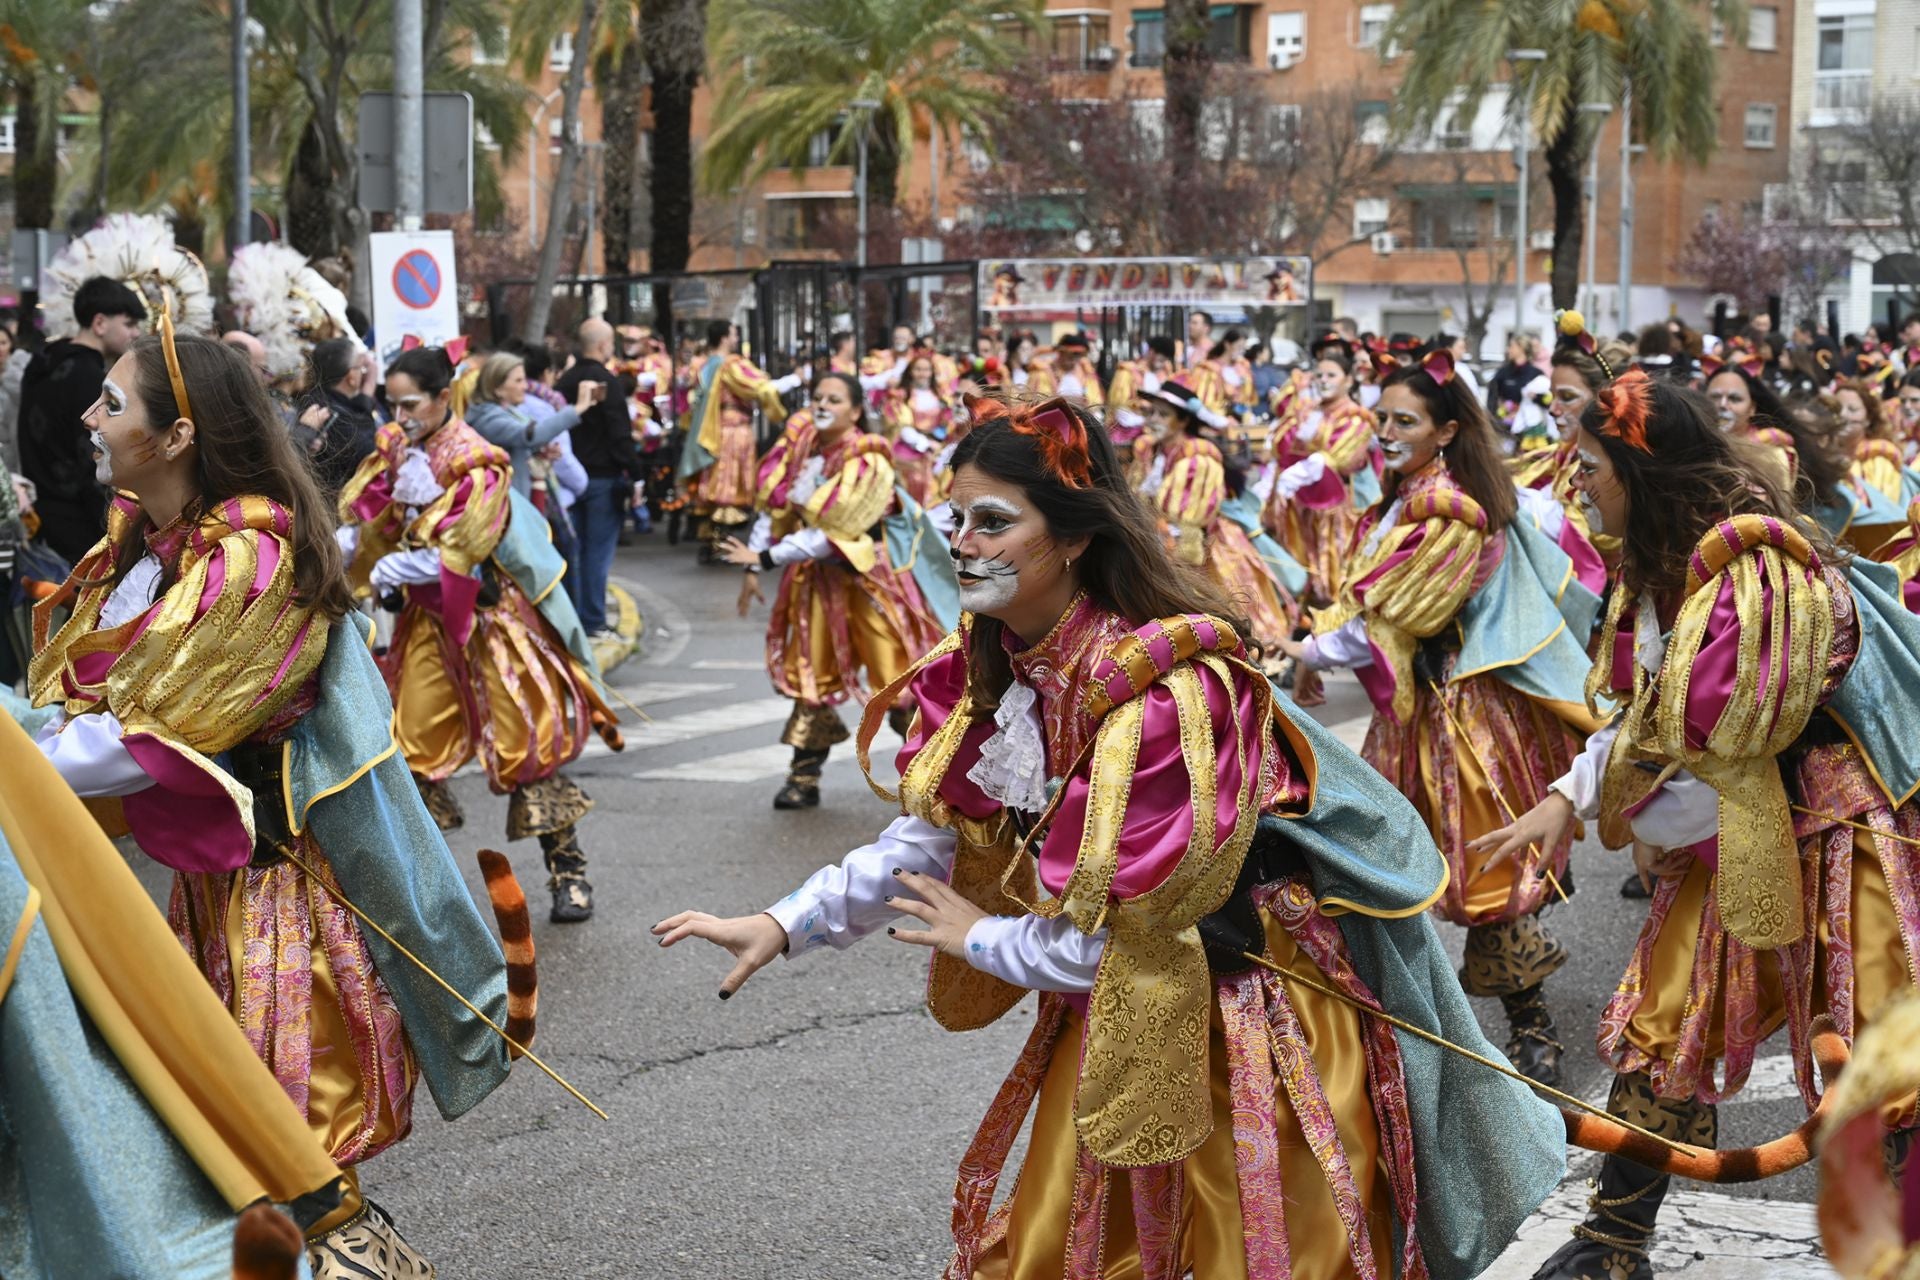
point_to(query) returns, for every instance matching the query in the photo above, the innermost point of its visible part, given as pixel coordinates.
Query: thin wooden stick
(340, 897)
(1460, 732)
(629, 704)
(1564, 1099)
(1857, 826)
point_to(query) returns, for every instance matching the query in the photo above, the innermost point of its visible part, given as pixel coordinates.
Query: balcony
(1836, 204)
(1840, 97)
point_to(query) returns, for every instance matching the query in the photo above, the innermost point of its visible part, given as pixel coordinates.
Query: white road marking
(646, 695)
(727, 664)
(757, 763)
(703, 724)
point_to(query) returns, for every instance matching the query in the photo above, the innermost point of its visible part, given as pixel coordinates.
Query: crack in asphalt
(821, 1022)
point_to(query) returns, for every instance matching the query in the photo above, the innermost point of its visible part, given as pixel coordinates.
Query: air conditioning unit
(1102, 57)
(1281, 61)
(1384, 242)
(1540, 240)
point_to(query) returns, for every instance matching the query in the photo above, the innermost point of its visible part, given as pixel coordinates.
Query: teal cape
(526, 554)
(1874, 702)
(693, 458)
(1288, 572)
(915, 543)
(1530, 624)
(91, 1182)
(1366, 487)
(347, 783)
(1872, 510)
(1487, 1151)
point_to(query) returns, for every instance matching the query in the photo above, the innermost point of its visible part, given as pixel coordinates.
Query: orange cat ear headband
(1627, 402)
(1055, 429)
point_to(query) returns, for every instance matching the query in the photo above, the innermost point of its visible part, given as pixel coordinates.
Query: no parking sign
(413, 290)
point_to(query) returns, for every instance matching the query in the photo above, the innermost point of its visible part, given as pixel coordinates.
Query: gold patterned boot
(441, 805)
(366, 1247)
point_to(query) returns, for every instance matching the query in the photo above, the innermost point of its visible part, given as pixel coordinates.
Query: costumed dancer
(851, 612)
(1184, 480)
(1132, 379)
(1465, 624)
(1859, 515)
(488, 659)
(719, 461)
(1229, 360)
(918, 415)
(1323, 455)
(1580, 370)
(1195, 1111)
(1074, 374)
(1868, 436)
(1027, 371)
(216, 699)
(1761, 765)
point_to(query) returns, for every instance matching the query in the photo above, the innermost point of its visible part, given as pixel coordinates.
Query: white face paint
(114, 402)
(993, 582)
(1397, 454)
(1588, 507)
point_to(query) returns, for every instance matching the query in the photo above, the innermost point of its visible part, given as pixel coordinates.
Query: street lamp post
(1599, 110)
(242, 132)
(1626, 207)
(1518, 57)
(866, 106)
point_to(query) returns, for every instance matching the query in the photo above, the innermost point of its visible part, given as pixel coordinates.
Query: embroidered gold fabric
(959, 996)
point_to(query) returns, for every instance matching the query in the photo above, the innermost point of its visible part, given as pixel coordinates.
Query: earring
(1066, 564)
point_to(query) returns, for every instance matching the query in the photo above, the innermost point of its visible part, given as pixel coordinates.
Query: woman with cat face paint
(1105, 802)
(1324, 468)
(846, 620)
(1762, 765)
(1466, 625)
(210, 693)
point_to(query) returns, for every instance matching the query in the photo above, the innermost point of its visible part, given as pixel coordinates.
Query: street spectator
(13, 365)
(1509, 382)
(254, 350)
(1266, 374)
(61, 384)
(343, 391)
(499, 413)
(603, 443)
(566, 481)
(542, 399)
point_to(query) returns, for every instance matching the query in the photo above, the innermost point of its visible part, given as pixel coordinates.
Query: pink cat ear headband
(1058, 431)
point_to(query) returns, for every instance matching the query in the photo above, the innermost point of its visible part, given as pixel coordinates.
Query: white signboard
(414, 294)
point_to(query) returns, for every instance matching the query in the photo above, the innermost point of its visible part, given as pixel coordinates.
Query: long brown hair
(244, 452)
(1821, 466)
(1473, 456)
(1879, 426)
(1126, 567)
(1694, 476)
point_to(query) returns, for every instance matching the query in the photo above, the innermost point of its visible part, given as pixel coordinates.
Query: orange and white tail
(1746, 1164)
(266, 1245)
(516, 940)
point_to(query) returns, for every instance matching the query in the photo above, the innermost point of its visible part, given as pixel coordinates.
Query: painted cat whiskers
(986, 582)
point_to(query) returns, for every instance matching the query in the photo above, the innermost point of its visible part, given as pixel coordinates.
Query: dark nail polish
(891, 930)
(726, 995)
(896, 871)
(888, 898)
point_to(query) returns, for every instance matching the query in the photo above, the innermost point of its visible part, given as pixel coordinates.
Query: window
(1076, 37)
(1710, 211)
(1763, 28)
(480, 56)
(1373, 24)
(1506, 219)
(1286, 39)
(6, 135)
(560, 52)
(1761, 119)
(481, 135)
(820, 146)
(797, 222)
(1447, 223)
(1371, 119)
(1371, 215)
(1149, 38)
(1149, 121)
(1843, 67)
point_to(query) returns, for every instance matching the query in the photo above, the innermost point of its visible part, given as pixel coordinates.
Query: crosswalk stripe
(704, 724)
(646, 695)
(756, 763)
(726, 664)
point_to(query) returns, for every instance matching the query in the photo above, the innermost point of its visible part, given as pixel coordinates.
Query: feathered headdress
(138, 250)
(280, 299)
(1627, 403)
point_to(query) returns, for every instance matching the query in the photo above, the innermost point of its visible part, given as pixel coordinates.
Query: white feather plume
(281, 300)
(137, 249)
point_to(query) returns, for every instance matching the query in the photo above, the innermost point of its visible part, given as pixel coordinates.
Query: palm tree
(1184, 73)
(560, 206)
(796, 67)
(1595, 49)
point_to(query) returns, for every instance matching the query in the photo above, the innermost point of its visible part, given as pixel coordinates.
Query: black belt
(260, 768)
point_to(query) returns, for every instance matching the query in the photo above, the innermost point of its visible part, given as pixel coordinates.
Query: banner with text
(1048, 284)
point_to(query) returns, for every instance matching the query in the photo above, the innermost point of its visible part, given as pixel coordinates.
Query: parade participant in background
(644, 360)
(840, 358)
(1132, 380)
(1025, 370)
(886, 366)
(1229, 358)
(1074, 374)
(918, 415)
(1862, 518)
(1867, 435)
(1768, 795)
(1581, 369)
(1464, 625)
(1185, 482)
(214, 696)
(719, 461)
(1323, 452)
(488, 659)
(1197, 1112)
(1907, 416)
(498, 414)
(848, 618)
(55, 390)
(1802, 464)
(1509, 382)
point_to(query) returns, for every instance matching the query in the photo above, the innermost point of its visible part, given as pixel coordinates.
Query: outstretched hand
(753, 941)
(1539, 827)
(734, 551)
(947, 915)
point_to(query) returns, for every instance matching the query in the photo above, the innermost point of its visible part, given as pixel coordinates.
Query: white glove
(405, 569)
(348, 536)
(1305, 472)
(647, 380)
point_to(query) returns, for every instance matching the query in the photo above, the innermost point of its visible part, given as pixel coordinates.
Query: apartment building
(1437, 223)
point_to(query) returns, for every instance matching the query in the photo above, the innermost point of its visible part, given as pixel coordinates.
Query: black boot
(1633, 887)
(567, 877)
(802, 789)
(1534, 1046)
(1612, 1243)
(900, 720)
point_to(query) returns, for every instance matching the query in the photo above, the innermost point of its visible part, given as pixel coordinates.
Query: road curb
(628, 626)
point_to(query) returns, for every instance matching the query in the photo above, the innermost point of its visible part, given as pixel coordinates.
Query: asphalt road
(809, 1127)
